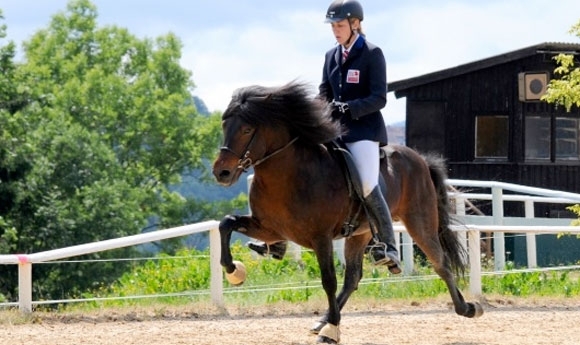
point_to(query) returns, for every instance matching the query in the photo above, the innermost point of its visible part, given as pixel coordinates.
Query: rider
(354, 81)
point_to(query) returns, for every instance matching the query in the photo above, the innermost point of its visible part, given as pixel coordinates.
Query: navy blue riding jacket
(361, 81)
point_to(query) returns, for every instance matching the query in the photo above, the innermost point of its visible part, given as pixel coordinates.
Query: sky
(234, 43)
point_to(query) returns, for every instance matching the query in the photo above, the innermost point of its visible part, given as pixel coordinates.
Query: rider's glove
(339, 109)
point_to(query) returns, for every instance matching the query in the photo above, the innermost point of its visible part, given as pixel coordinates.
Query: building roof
(548, 47)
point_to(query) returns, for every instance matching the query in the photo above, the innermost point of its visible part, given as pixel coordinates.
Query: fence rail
(25, 261)
(470, 233)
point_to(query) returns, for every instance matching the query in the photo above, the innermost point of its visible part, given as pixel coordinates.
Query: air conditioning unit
(532, 85)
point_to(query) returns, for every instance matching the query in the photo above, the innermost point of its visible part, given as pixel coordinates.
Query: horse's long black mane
(290, 106)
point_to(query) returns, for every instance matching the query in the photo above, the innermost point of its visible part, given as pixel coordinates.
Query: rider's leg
(366, 158)
(379, 211)
(277, 249)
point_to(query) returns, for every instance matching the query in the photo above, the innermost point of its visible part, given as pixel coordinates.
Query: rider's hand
(339, 109)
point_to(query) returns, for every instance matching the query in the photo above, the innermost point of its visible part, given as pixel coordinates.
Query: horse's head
(260, 122)
(242, 147)
(235, 154)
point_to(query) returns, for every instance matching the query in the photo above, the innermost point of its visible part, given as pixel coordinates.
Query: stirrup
(381, 256)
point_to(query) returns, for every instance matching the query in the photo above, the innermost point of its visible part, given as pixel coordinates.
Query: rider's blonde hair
(359, 29)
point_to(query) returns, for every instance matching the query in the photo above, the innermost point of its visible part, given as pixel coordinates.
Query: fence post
(339, 250)
(295, 250)
(461, 235)
(216, 278)
(474, 262)
(408, 252)
(498, 236)
(531, 237)
(25, 286)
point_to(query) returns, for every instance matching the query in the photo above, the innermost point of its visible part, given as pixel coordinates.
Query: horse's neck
(273, 178)
(295, 171)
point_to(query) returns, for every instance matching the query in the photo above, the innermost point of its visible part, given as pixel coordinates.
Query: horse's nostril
(224, 173)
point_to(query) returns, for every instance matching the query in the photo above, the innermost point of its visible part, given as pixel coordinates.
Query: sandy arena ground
(505, 321)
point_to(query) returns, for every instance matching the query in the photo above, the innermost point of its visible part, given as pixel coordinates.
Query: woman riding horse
(354, 82)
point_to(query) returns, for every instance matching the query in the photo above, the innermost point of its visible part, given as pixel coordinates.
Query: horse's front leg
(353, 253)
(235, 270)
(329, 333)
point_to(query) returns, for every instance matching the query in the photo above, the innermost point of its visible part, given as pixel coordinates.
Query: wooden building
(486, 118)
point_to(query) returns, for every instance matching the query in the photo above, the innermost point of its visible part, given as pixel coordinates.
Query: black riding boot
(385, 252)
(277, 250)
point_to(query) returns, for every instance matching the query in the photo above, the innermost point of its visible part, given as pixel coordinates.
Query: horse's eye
(247, 130)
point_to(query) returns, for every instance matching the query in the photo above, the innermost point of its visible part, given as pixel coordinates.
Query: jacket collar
(355, 49)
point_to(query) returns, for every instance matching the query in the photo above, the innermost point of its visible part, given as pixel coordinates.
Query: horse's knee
(227, 223)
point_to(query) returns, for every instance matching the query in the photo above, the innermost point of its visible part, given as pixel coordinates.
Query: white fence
(25, 261)
(470, 233)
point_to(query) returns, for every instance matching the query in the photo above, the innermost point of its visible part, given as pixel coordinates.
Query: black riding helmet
(343, 9)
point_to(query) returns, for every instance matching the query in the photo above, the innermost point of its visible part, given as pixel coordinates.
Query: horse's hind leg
(353, 254)
(430, 243)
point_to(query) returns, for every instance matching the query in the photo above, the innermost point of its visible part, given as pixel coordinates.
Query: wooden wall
(441, 118)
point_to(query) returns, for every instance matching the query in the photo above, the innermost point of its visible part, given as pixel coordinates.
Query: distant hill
(200, 185)
(200, 106)
(396, 133)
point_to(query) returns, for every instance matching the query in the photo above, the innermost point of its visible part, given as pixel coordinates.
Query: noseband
(245, 162)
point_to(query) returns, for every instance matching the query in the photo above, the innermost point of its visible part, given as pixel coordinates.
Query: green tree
(107, 124)
(12, 168)
(566, 90)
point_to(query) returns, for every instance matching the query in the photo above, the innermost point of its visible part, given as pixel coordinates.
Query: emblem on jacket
(353, 76)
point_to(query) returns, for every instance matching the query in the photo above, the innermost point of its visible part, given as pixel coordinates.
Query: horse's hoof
(317, 327)
(325, 340)
(329, 334)
(473, 310)
(238, 276)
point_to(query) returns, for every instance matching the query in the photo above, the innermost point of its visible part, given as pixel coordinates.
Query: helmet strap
(352, 35)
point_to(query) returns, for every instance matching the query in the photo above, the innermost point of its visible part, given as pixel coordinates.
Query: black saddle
(343, 156)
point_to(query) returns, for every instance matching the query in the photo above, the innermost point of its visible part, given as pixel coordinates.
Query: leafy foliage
(97, 126)
(533, 284)
(287, 280)
(566, 90)
(576, 210)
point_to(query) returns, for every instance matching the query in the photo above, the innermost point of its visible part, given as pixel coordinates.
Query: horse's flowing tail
(455, 253)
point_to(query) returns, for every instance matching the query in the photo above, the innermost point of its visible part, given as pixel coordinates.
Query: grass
(272, 281)
(289, 285)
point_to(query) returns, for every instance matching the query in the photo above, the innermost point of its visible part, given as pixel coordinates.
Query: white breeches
(366, 158)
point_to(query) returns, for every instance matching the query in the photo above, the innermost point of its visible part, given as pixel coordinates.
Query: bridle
(245, 161)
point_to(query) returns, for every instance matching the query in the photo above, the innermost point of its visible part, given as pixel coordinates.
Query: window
(537, 138)
(543, 134)
(566, 138)
(491, 136)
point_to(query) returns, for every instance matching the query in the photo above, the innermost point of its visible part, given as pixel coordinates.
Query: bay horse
(299, 193)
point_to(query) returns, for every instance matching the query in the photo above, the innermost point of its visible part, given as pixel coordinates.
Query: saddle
(343, 156)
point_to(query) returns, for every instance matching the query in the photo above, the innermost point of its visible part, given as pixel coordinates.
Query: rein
(246, 162)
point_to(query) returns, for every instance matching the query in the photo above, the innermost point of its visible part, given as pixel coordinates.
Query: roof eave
(554, 48)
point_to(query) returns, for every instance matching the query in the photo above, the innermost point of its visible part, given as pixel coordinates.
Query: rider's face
(342, 30)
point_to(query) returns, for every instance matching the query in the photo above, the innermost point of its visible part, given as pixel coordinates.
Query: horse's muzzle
(224, 175)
